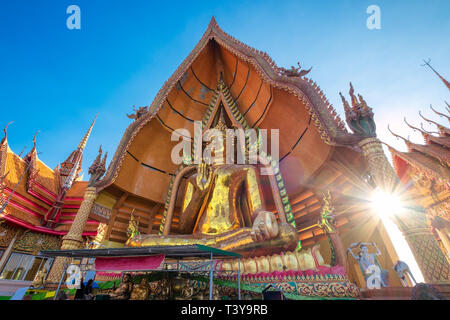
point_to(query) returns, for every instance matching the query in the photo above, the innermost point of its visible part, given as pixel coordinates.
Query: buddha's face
(216, 147)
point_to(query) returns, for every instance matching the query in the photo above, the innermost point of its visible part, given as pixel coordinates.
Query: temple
(425, 167)
(308, 227)
(38, 206)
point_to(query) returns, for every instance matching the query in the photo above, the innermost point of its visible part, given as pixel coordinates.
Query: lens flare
(386, 204)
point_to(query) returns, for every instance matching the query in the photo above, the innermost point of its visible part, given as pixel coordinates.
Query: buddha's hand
(204, 175)
(265, 226)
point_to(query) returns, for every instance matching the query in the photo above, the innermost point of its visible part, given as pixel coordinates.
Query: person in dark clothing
(80, 292)
(62, 295)
(88, 290)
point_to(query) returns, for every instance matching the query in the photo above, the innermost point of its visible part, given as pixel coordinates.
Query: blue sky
(55, 80)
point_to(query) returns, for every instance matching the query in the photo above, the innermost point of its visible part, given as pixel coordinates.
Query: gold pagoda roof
(29, 188)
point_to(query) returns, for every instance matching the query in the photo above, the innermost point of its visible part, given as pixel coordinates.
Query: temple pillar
(382, 172)
(412, 222)
(57, 270)
(74, 238)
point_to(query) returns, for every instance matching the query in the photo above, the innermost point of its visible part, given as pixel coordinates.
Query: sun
(386, 204)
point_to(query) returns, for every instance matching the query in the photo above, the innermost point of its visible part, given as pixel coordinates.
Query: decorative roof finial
(295, 72)
(443, 131)
(212, 22)
(440, 114)
(399, 136)
(427, 63)
(429, 132)
(138, 112)
(33, 150)
(4, 130)
(424, 133)
(410, 125)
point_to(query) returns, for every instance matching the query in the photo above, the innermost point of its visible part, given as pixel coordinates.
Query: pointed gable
(262, 96)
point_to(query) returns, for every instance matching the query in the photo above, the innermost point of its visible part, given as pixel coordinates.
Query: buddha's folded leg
(147, 240)
(242, 242)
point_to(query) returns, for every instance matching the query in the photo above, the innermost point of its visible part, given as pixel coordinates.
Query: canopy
(175, 252)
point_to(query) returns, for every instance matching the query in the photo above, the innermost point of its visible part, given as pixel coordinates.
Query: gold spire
(83, 142)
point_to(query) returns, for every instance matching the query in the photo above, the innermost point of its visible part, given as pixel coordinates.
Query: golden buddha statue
(140, 291)
(223, 207)
(124, 290)
(39, 279)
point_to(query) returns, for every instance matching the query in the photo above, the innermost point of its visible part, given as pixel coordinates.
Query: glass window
(24, 267)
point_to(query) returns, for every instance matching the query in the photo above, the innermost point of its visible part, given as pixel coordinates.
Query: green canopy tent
(172, 252)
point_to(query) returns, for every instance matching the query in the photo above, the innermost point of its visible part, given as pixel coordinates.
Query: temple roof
(431, 158)
(269, 97)
(29, 188)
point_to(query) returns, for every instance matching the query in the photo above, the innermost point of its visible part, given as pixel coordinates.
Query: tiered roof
(431, 158)
(30, 190)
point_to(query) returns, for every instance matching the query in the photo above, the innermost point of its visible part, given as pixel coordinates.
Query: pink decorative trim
(130, 263)
(31, 203)
(41, 229)
(68, 214)
(44, 189)
(74, 199)
(70, 206)
(23, 208)
(109, 274)
(40, 197)
(70, 221)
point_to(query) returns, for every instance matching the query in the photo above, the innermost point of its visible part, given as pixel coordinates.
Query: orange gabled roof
(431, 158)
(77, 190)
(428, 165)
(439, 152)
(47, 177)
(30, 194)
(442, 141)
(273, 79)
